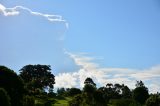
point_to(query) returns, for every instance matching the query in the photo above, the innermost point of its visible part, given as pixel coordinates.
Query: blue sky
(117, 40)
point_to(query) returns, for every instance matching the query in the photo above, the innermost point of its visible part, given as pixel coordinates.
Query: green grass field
(62, 102)
(57, 101)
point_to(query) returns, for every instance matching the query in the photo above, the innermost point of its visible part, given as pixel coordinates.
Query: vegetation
(34, 87)
(140, 93)
(153, 100)
(4, 98)
(37, 78)
(13, 85)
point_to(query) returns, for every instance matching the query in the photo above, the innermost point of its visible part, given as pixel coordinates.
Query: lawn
(56, 101)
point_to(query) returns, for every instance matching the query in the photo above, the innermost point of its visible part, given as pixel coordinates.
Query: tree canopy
(153, 100)
(140, 93)
(13, 84)
(37, 77)
(4, 98)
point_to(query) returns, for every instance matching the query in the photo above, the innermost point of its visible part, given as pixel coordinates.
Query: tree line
(37, 82)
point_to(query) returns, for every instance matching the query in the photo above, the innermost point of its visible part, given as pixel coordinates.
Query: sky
(113, 41)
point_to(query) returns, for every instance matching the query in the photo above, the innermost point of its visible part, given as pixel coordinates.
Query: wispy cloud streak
(17, 10)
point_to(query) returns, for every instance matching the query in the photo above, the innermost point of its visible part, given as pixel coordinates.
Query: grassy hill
(52, 101)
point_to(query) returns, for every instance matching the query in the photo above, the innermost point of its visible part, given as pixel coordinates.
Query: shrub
(4, 98)
(29, 101)
(123, 102)
(153, 100)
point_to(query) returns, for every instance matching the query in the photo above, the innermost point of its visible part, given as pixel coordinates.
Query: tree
(76, 101)
(28, 101)
(89, 86)
(74, 91)
(113, 91)
(140, 93)
(13, 84)
(37, 77)
(61, 91)
(153, 100)
(126, 92)
(89, 81)
(88, 92)
(4, 98)
(99, 98)
(139, 84)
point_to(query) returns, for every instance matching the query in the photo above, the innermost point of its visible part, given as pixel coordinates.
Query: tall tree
(126, 92)
(88, 92)
(37, 77)
(140, 93)
(74, 91)
(89, 81)
(13, 84)
(89, 86)
(61, 91)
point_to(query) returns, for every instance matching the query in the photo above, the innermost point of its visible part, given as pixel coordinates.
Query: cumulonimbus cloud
(16, 11)
(102, 76)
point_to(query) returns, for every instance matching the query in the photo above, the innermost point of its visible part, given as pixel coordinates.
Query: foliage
(123, 102)
(28, 101)
(115, 91)
(13, 84)
(61, 91)
(140, 93)
(89, 81)
(76, 101)
(139, 84)
(153, 100)
(89, 89)
(89, 97)
(99, 98)
(126, 92)
(4, 98)
(37, 77)
(74, 91)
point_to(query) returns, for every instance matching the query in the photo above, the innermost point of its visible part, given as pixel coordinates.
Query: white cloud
(8, 11)
(16, 11)
(102, 76)
(66, 80)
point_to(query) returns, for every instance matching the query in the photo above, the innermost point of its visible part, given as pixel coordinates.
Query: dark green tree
(61, 91)
(140, 93)
(4, 98)
(88, 92)
(77, 101)
(37, 77)
(139, 84)
(28, 101)
(153, 100)
(89, 81)
(112, 91)
(74, 91)
(89, 89)
(13, 84)
(99, 98)
(126, 92)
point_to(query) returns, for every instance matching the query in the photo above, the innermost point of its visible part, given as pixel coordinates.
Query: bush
(76, 101)
(29, 101)
(153, 100)
(74, 91)
(123, 102)
(4, 98)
